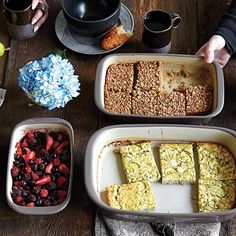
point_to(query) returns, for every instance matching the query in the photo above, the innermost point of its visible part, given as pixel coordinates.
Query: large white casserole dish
(174, 202)
(43, 125)
(171, 62)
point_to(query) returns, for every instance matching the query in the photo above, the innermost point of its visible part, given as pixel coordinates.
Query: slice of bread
(116, 37)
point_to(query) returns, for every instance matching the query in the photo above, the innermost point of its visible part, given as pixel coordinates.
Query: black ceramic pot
(91, 18)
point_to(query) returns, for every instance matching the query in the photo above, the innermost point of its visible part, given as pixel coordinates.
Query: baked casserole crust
(138, 162)
(215, 162)
(177, 164)
(216, 195)
(132, 196)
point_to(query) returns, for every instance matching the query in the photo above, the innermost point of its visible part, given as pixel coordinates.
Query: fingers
(34, 4)
(207, 51)
(37, 16)
(210, 52)
(41, 13)
(40, 22)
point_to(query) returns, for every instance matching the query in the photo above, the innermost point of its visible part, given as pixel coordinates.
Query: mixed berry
(41, 169)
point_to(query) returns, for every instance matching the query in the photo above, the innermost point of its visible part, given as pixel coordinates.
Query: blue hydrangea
(49, 82)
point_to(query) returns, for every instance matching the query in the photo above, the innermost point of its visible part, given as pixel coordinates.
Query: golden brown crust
(115, 37)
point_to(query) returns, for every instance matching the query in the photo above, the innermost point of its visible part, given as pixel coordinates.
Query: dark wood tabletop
(199, 19)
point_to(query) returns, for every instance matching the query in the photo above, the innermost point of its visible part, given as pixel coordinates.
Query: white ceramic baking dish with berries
(40, 166)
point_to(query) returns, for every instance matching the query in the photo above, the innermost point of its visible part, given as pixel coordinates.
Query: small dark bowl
(91, 18)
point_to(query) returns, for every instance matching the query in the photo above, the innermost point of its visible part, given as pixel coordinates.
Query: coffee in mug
(157, 29)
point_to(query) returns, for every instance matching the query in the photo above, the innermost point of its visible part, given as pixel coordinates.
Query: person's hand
(215, 49)
(41, 13)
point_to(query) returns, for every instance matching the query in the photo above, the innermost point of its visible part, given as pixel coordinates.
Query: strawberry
(18, 151)
(26, 150)
(63, 169)
(24, 143)
(19, 199)
(55, 144)
(49, 142)
(17, 183)
(58, 149)
(59, 137)
(61, 193)
(28, 169)
(56, 162)
(38, 161)
(34, 176)
(29, 156)
(61, 180)
(30, 204)
(65, 143)
(44, 192)
(48, 168)
(44, 180)
(29, 135)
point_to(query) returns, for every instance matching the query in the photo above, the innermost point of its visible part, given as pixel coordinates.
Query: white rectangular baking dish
(171, 63)
(41, 124)
(174, 202)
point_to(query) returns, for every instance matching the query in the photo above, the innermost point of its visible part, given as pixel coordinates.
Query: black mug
(157, 29)
(18, 14)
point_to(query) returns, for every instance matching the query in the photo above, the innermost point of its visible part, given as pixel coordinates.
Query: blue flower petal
(50, 81)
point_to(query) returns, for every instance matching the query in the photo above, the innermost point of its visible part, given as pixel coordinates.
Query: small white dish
(41, 124)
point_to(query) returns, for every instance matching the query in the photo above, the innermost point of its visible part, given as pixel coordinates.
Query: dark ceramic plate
(89, 46)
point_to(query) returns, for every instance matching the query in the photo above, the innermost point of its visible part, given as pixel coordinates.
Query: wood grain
(199, 19)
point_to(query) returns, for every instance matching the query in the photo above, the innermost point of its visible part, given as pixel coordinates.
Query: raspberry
(28, 170)
(44, 193)
(56, 162)
(15, 171)
(61, 193)
(63, 169)
(61, 180)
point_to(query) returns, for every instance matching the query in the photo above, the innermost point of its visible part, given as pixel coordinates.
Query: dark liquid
(17, 5)
(156, 26)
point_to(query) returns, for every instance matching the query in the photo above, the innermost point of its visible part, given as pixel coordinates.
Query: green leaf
(59, 52)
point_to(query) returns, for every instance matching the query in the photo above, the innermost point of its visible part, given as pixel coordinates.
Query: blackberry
(16, 163)
(51, 186)
(31, 198)
(18, 177)
(31, 182)
(42, 166)
(24, 193)
(16, 191)
(23, 183)
(47, 202)
(34, 167)
(36, 189)
(39, 201)
(31, 162)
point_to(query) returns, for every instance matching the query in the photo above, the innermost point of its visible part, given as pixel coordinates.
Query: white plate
(71, 40)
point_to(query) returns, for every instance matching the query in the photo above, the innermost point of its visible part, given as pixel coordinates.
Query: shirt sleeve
(227, 28)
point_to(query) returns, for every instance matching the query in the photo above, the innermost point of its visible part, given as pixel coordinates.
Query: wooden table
(199, 19)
